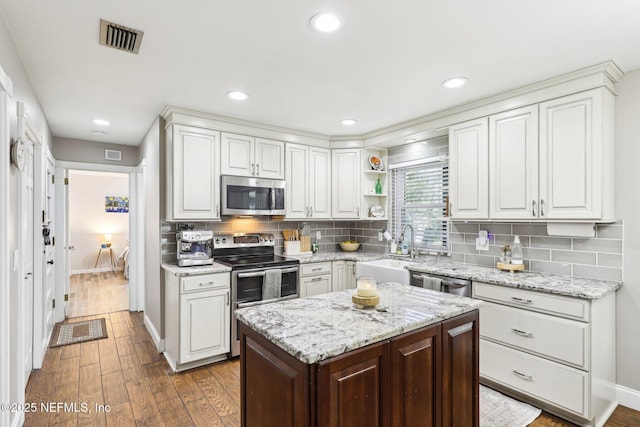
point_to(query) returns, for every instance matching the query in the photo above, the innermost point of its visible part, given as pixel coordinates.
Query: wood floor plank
(225, 375)
(114, 390)
(93, 416)
(125, 346)
(51, 360)
(187, 389)
(109, 360)
(69, 370)
(145, 409)
(232, 420)
(221, 401)
(120, 415)
(146, 351)
(157, 377)
(71, 350)
(174, 413)
(131, 368)
(203, 414)
(66, 393)
(89, 353)
(90, 380)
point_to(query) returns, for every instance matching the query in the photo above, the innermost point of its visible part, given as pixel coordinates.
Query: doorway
(98, 211)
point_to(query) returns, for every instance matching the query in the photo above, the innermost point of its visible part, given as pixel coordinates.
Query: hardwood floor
(96, 293)
(126, 372)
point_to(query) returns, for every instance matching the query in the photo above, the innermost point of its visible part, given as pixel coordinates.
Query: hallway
(97, 293)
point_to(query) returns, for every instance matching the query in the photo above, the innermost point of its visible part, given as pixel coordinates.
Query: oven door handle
(263, 272)
(273, 199)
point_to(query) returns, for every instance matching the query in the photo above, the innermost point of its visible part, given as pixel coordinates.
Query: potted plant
(505, 254)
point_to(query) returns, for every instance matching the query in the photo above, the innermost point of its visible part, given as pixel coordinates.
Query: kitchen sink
(385, 270)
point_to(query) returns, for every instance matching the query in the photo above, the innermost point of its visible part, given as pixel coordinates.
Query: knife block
(292, 247)
(305, 243)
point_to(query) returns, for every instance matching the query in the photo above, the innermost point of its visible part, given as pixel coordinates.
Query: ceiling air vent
(120, 37)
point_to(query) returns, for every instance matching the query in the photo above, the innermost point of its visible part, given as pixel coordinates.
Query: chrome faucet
(411, 251)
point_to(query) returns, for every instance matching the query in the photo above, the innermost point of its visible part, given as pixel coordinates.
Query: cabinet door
(237, 155)
(468, 170)
(269, 159)
(345, 194)
(194, 192)
(571, 156)
(460, 371)
(338, 274)
(297, 177)
(204, 325)
(353, 388)
(513, 164)
(415, 378)
(319, 183)
(350, 275)
(315, 285)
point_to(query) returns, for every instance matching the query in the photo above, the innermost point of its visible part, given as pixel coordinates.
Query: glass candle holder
(366, 287)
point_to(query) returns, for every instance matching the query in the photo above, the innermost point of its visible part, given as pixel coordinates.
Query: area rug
(498, 410)
(77, 332)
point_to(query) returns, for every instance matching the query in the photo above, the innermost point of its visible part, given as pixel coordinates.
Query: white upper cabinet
(468, 170)
(577, 156)
(254, 157)
(513, 164)
(346, 192)
(308, 174)
(193, 182)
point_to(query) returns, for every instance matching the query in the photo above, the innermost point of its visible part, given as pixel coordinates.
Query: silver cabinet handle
(227, 298)
(253, 169)
(311, 210)
(533, 208)
(358, 214)
(317, 279)
(257, 169)
(522, 333)
(541, 207)
(316, 269)
(522, 375)
(308, 209)
(218, 209)
(522, 300)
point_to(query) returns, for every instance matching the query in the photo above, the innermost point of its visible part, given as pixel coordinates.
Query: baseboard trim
(155, 336)
(628, 397)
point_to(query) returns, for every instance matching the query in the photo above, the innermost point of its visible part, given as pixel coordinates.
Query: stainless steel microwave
(252, 196)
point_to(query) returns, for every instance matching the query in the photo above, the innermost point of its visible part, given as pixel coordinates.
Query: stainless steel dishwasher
(450, 285)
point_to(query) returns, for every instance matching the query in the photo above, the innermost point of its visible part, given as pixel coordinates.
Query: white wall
(88, 221)
(22, 92)
(152, 153)
(628, 209)
(80, 150)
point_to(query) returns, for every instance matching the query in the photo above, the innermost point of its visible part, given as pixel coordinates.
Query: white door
(269, 159)
(49, 268)
(297, 177)
(27, 238)
(345, 192)
(338, 274)
(469, 170)
(237, 155)
(319, 185)
(571, 157)
(513, 164)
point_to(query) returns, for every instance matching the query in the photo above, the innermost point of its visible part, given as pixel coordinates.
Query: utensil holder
(292, 247)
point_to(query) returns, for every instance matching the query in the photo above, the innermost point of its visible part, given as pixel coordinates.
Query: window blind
(420, 198)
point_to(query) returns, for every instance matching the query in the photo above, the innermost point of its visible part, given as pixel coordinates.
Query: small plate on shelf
(377, 211)
(376, 163)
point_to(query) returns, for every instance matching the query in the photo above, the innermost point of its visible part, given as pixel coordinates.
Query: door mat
(498, 410)
(77, 332)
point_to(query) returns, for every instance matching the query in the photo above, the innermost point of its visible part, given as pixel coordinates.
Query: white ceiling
(384, 67)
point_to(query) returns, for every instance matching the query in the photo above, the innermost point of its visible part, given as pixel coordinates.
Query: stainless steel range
(258, 275)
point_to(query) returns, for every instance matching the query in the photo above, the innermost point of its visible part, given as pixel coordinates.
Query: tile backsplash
(332, 232)
(599, 257)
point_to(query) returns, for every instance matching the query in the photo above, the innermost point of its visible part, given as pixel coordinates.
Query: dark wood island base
(427, 377)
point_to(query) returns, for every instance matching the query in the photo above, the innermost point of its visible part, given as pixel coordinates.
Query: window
(420, 193)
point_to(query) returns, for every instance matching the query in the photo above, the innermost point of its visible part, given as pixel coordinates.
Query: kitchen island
(319, 361)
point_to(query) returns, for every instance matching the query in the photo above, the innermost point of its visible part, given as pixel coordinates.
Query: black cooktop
(238, 262)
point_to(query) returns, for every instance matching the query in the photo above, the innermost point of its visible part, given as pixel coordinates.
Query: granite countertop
(319, 327)
(338, 256)
(541, 282)
(196, 269)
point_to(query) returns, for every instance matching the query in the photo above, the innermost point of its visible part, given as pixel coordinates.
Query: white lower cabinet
(343, 275)
(555, 351)
(315, 279)
(197, 319)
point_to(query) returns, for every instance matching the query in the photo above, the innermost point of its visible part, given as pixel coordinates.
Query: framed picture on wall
(116, 204)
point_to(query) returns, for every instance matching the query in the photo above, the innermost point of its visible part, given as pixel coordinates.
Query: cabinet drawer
(557, 384)
(316, 268)
(315, 285)
(558, 305)
(205, 281)
(549, 336)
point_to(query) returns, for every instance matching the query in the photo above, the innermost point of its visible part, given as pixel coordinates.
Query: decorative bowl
(349, 246)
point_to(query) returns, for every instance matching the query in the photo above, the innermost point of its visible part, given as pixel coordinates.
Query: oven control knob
(224, 240)
(196, 236)
(271, 238)
(217, 241)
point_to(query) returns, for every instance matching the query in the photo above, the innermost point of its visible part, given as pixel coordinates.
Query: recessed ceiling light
(326, 22)
(410, 140)
(98, 132)
(455, 82)
(101, 122)
(348, 122)
(237, 95)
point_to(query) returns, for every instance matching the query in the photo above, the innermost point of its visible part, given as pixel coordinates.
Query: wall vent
(120, 37)
(113, 155)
